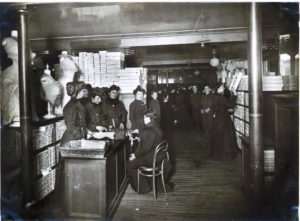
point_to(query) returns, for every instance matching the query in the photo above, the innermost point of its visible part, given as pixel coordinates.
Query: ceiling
(158, 33)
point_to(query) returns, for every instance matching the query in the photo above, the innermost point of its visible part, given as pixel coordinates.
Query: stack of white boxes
(130, 78)
(103, 71)
(90, 76)
(105, 68)
(96, 61)
(82, 66)
(290, 82)
(272, 83)
(114, 63)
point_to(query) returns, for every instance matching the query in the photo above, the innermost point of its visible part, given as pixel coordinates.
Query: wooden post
(25, 107)
(255, 99)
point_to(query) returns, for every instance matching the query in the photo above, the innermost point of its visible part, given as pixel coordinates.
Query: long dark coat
(195, 106)
(206, 101)
(167, 120)
(114, 109)
(223, 144)
(181, 112)
(136, 114)
(150, 137)
(94, 116)
(75, 119)
(155, 106)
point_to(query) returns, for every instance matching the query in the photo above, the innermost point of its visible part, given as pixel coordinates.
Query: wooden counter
(95, 187)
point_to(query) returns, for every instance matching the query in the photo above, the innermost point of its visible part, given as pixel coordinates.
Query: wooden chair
(155, 170)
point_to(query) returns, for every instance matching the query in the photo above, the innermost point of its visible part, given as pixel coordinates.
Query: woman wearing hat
(137, 109)
(114, 110)
(95, 118)
(74, 113)
(223, 144)
(205, 109)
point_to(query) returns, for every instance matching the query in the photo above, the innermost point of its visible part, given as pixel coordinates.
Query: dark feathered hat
(73, 88)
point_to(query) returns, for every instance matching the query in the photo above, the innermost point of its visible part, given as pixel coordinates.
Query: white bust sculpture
(52, 91)
(10, 103)
(67, 72)
(10, 107)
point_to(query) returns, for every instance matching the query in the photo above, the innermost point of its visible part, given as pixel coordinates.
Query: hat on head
(113, 88)
(73, 88)
(99, 91)
(138, 88)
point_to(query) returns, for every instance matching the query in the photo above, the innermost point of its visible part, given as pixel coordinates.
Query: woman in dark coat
(154, 104)
(150, 136)
(181, 111)
(223, 144)
(95, 118)
(137, 109)
(206, 111)
(167, 120)
(74, 113)
(114, 110)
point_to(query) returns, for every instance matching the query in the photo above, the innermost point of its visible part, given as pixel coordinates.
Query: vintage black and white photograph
(149, 111)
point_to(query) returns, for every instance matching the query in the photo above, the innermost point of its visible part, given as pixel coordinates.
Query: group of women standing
(211, 112)
(92, 110)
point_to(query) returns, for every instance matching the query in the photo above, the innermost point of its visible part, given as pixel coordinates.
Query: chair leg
(163, 179)
(154, 186)
(138, 179)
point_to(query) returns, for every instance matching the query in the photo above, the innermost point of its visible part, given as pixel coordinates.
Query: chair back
(161, 149)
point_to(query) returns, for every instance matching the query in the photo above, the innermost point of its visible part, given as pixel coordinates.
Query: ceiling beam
(185, 39)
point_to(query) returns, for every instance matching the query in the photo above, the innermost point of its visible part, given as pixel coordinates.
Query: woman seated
(149, 137)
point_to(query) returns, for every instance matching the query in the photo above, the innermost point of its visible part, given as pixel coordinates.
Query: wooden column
(255, 99)
(25, 107)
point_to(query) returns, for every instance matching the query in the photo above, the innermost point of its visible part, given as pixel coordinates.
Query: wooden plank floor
(205, 189)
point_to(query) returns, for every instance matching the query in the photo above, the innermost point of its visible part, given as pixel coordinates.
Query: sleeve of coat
(132, 116)
(70, 119)
(124, 114)
(145, 145)
(103, 117)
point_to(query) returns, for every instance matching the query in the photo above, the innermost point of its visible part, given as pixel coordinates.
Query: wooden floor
(204, 189)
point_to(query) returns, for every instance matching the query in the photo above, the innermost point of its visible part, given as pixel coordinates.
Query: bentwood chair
(161, 157)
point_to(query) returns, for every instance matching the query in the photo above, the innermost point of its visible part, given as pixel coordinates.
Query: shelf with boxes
(46, 136)
(241, 116)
